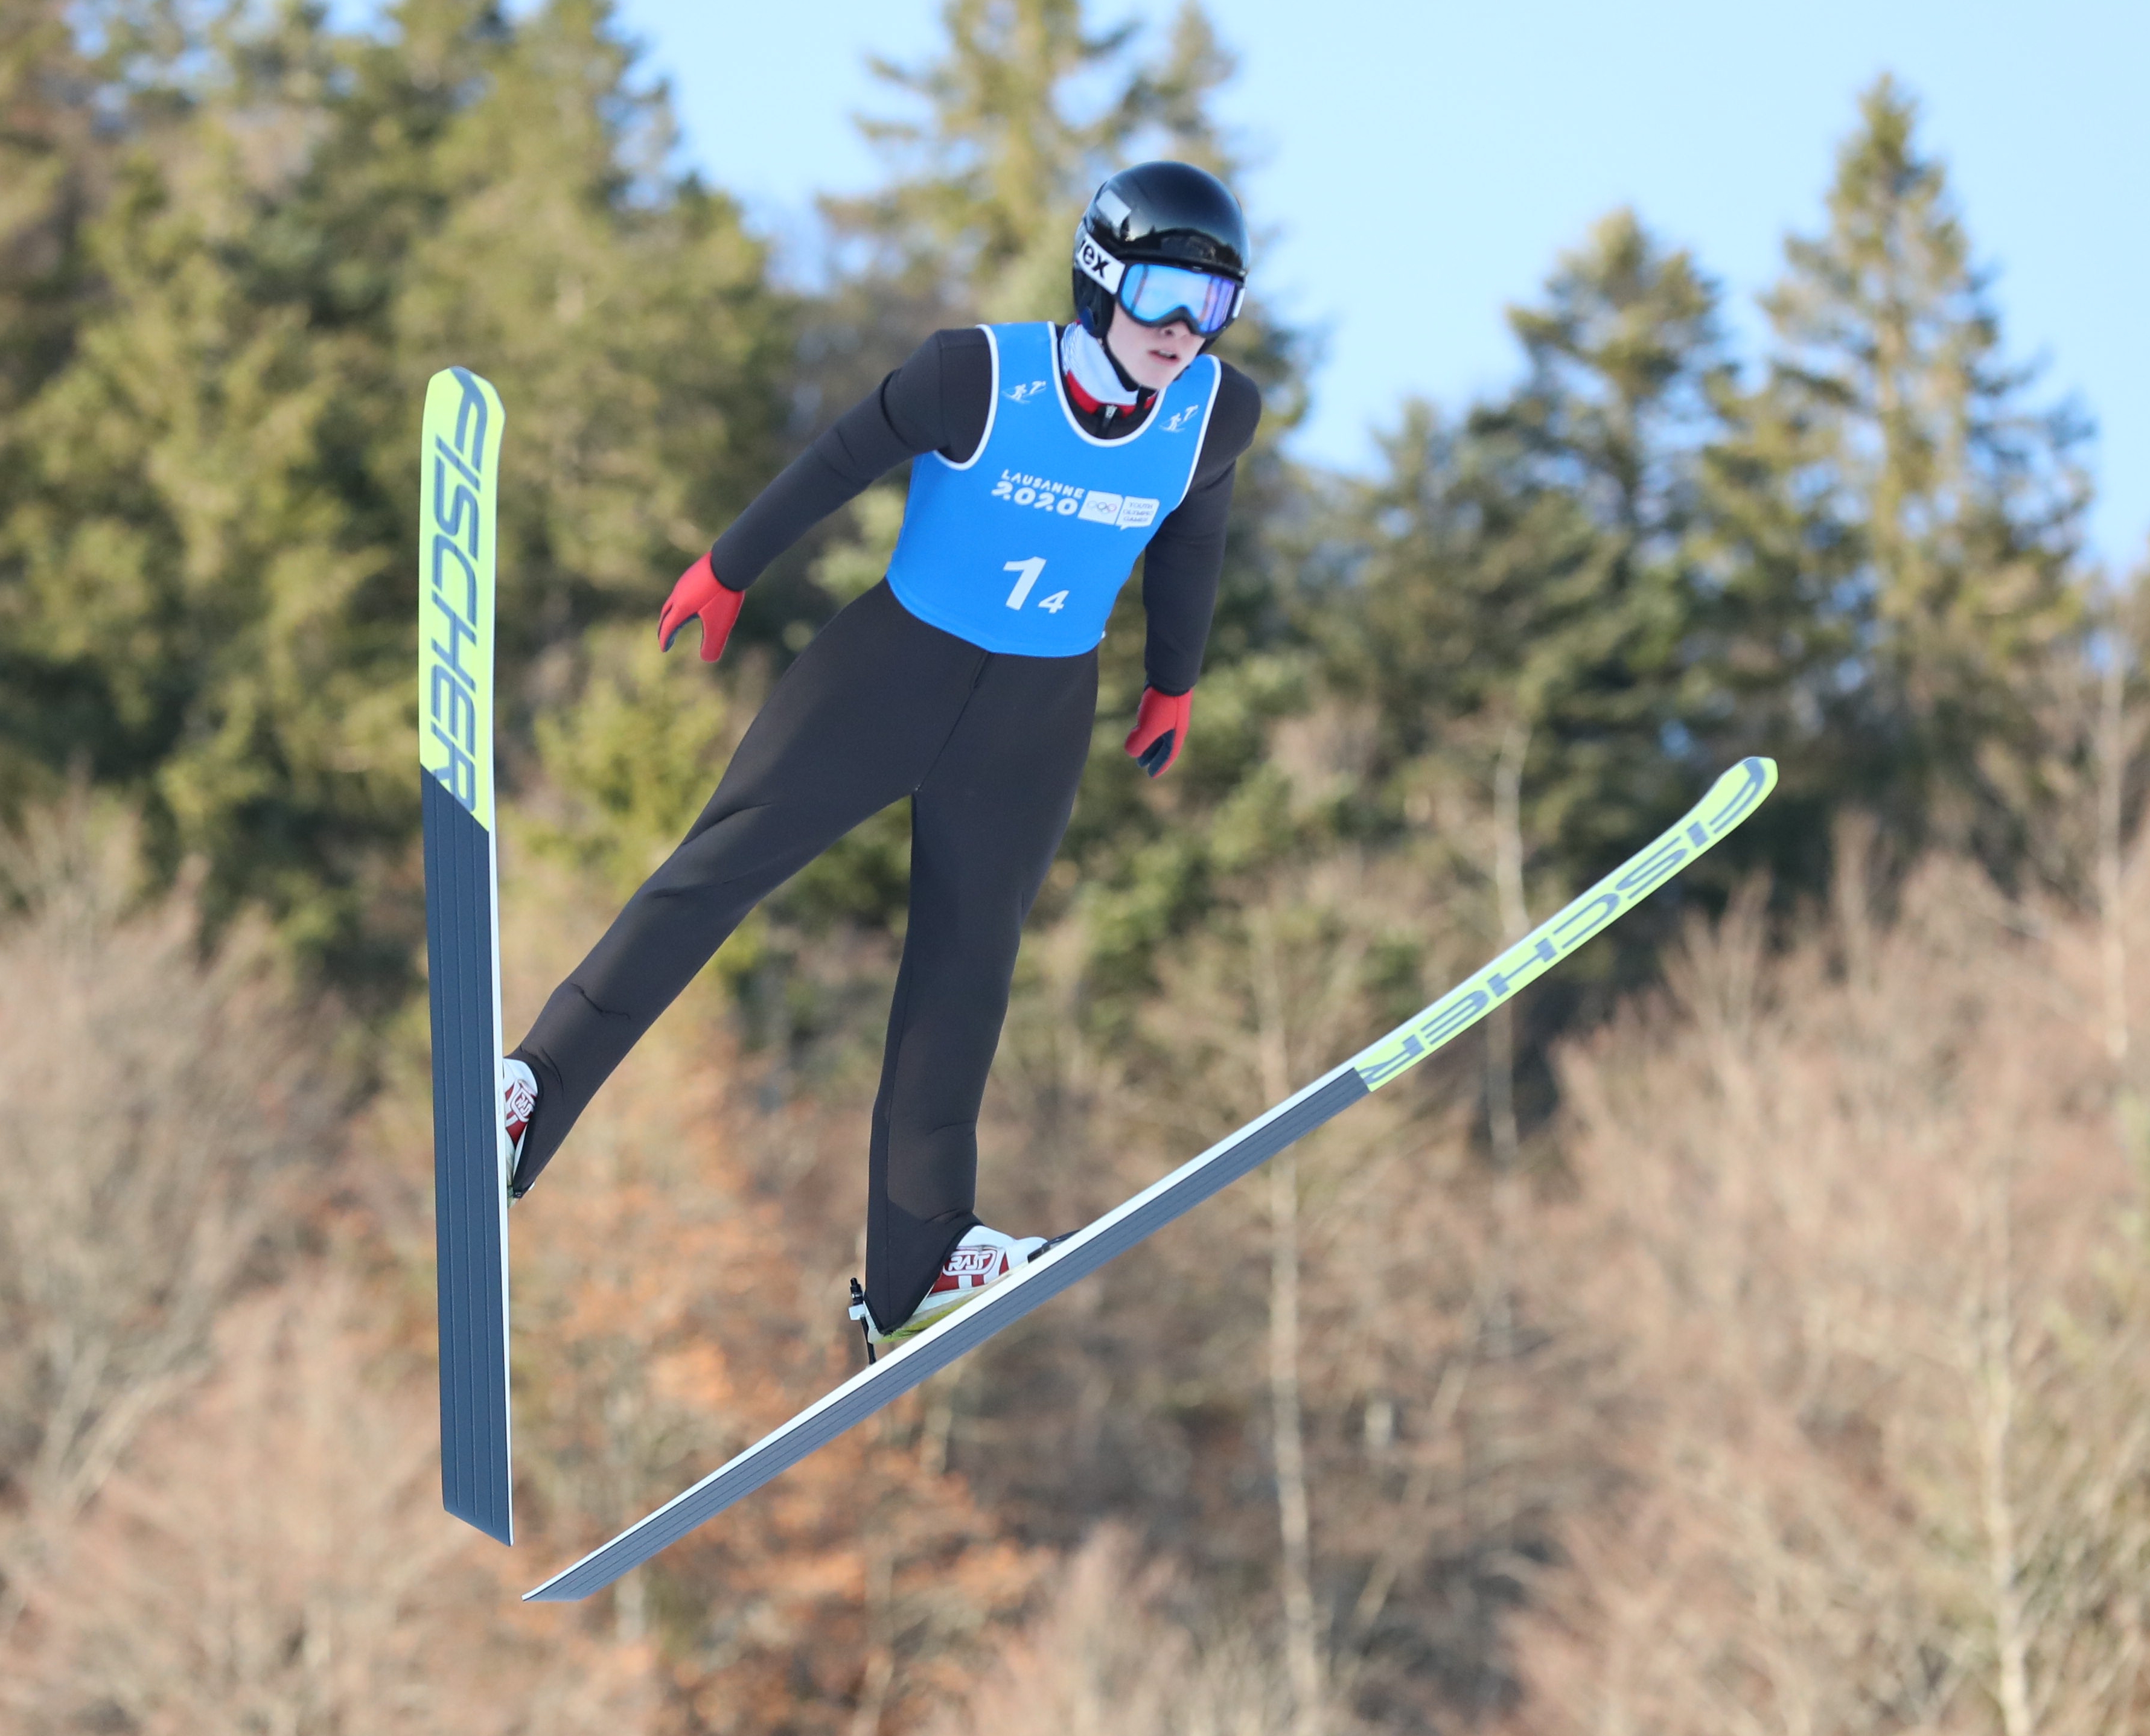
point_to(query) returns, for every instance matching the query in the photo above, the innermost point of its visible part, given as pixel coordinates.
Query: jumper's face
(1154, 356)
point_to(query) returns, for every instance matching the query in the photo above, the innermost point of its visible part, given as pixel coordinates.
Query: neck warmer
(1086, 362)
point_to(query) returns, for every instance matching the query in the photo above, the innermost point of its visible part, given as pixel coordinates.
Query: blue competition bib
(1023, 548)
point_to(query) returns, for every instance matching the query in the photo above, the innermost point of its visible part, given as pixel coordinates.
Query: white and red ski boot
(980, 1260)
(518, 1103)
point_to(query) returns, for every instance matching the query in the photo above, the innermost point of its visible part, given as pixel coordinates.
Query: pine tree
(53, 164)
(49, 163)
(1532, 571)
(993, 175)
(1942, 509)
(208, 539)
(181, 556)
(625, 316)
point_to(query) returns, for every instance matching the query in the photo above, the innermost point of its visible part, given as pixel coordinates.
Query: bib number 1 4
(1026, 573)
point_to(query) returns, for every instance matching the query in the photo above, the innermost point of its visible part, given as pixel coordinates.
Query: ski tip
(1736, 793)
(1757, 769)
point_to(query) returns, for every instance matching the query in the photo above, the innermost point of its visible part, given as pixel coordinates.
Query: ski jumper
(966, 680)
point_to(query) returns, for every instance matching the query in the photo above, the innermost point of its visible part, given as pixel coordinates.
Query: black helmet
(1160, 214)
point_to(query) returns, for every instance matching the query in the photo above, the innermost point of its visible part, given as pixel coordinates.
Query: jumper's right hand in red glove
(700, 592)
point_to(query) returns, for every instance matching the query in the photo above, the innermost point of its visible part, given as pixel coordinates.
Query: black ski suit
(988, 746)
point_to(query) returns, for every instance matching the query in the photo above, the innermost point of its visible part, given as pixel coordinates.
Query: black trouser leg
(985, 824)
(855, 724)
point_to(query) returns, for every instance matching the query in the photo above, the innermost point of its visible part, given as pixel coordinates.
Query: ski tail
(1729, 801)
(459, 474)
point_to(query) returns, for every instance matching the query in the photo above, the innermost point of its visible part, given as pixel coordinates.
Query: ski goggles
(1157, 295)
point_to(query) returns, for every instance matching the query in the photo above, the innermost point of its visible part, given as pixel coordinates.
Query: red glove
(1160, 730)
(700, 592)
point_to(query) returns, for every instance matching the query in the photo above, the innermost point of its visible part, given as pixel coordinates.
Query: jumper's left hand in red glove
(1160, 730)
(700, 592)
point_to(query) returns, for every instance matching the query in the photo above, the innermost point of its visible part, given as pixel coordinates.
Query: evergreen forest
(1748, 1331)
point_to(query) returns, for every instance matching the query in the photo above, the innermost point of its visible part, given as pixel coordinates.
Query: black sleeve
(936, 401)
(1187, 556)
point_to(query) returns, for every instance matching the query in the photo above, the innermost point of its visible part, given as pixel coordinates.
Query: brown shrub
(277, 1560)
(1109, 1653)
(149, 1100)
(1838, 1215)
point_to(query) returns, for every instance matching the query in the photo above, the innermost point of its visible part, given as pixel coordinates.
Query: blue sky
(1423, 163)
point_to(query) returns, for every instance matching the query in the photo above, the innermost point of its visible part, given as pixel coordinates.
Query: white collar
(1083, 358)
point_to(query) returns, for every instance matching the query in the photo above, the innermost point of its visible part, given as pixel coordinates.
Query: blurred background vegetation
(1383, 1441)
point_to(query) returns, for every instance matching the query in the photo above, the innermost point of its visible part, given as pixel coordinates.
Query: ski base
(467, 1202)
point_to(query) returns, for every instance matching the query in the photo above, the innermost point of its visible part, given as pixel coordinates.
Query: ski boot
(518, 1103)
(980, 1260)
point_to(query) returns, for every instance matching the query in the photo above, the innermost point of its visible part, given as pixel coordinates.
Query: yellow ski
(1730, 800)
(459, 468)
